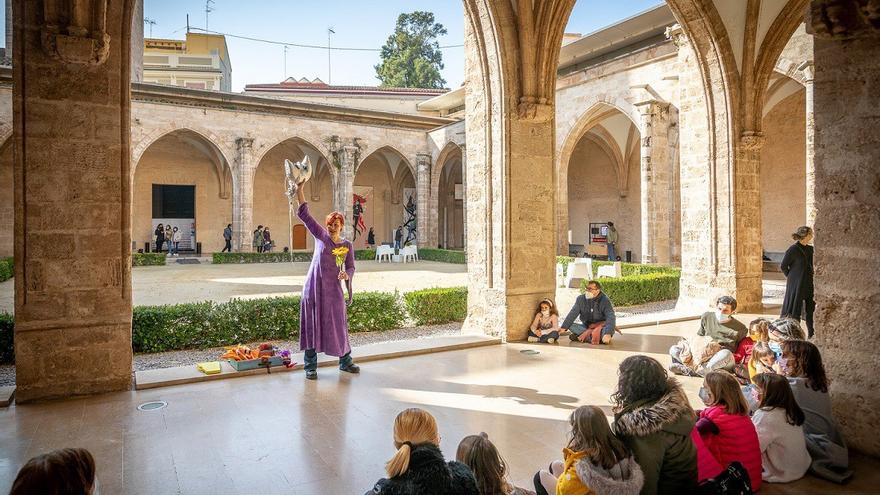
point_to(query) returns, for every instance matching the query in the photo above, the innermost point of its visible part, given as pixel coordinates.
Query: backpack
(732, 481)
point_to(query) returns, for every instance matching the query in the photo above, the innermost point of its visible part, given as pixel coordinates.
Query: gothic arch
(446, 155)
(404, 160)
(295, 139)
(596, 113)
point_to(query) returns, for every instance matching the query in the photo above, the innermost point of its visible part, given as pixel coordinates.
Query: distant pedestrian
(797, 265)
(175, 241)
(160, 237)
(611, 240)
(227, 236)
(398, 236)
(258, 239)
(371, 238)
(168, 235)
(267, 240)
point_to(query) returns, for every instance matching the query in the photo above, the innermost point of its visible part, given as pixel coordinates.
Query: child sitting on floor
(725, 427)
(595, 460)
(758, 329)
(490, 469)
(762, 360)
(545, 325)
(779, 422)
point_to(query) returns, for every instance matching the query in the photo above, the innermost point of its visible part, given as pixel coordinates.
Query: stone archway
(383, 178)
(447, 213)
(7, 203)
(182, 158)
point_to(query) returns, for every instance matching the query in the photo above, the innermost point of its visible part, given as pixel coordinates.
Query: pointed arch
(388, 148)
(299, 140)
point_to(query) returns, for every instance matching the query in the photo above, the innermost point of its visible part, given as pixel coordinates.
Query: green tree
(411, 57)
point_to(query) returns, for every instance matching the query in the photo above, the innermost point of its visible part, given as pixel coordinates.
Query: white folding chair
(384, 252)
(578, 270)
(611, 271)
(409, 253)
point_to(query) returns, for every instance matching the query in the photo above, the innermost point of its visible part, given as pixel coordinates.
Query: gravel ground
(183, 358)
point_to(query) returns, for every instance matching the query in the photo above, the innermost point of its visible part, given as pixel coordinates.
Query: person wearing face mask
(545, 325)
(596, 312)
(797, 265)
(718, 337)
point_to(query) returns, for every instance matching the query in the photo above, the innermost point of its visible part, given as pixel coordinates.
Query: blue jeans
(396, 245)
(311, 360)
(612, 256)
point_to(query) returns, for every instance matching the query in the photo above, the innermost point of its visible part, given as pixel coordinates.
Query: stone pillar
(243, 196)
(656, 182)
(847, 247)
(9, 28)
(71, 110)
(343, 186)
(807, 70)
(137, 41)
(748, 265)
(423, 193)
(464, 200)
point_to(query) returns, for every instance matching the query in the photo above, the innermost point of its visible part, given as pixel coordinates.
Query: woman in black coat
(160, 237)
(418, 466)
(797, 265)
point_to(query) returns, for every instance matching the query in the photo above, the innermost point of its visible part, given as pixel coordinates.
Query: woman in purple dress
(323, 323)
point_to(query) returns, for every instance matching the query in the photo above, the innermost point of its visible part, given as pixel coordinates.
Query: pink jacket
(735, 440)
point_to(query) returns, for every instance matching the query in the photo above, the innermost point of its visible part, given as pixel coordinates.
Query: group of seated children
(593, 308)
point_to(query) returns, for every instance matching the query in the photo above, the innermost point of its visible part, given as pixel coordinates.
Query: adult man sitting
(597, 316)
(720, 333)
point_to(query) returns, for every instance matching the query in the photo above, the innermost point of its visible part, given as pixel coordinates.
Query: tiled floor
(282, 434)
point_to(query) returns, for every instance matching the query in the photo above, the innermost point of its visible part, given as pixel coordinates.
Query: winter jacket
(227, 234)
(731, 437)
(428, 472)
(176, 236)
(744, 350)
(582, 477)
(592, 310)
(659, 435)
(258, 238)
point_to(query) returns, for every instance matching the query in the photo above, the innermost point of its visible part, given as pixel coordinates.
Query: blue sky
(362, 24)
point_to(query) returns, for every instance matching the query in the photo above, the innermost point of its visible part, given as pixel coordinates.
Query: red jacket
(744, 350)
(733, 438)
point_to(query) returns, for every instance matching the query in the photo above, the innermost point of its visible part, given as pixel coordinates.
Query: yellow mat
(209, 368)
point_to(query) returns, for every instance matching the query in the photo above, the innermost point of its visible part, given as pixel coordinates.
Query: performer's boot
(311, 374)
(351, 368)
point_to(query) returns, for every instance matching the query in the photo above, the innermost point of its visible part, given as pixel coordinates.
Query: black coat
(429, 474)
(797, 265)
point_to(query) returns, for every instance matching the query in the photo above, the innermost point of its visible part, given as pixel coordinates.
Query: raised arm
(314, 227)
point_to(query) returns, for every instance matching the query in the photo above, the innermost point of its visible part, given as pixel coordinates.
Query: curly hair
(806, 362)
(639, 378)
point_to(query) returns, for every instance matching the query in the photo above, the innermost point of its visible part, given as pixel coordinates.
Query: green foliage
(411, 58)
(207, 324)
(364, 254)
(443, 255)
(7, 269)
(272, 257)
(7, 339)
(640, 284)
(565, 261)
(374, 312)
(148, 259)
(434, 306)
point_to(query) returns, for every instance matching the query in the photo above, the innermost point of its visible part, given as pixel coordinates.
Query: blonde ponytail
(412, 426)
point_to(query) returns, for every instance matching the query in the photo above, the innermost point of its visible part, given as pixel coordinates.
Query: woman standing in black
(797, 265)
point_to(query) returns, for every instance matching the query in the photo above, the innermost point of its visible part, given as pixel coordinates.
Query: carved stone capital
(534, 109)
(676, 34)
(423, 163)
(844, 19)
(751, 141)
(244, 143)
(75, 32)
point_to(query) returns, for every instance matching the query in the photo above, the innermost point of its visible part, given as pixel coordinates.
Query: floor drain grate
(152, 406)
(529, 352)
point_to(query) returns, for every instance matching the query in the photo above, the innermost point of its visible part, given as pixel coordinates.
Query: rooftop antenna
(208, 10)
(187, 23)
(329, 74)
(285, 60)
(151, 23)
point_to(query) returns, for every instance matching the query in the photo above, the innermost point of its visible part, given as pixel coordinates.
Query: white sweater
(783, 448)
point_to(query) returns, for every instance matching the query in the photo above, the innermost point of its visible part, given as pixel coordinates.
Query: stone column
(243, 196)
(137, 41)
(9, 28)
(71, 113)
(748, 266)
(343, 186)
(807, 69)
(464, 200)
(656, 182)
(423, 193)
(847, 247)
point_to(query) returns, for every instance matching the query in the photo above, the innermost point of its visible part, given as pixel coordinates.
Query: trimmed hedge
(7, 269)
(434, 306)
(565, 261)
(640, 284)
(7, 339)
(208, 324)
(443, 255)
(148, 259)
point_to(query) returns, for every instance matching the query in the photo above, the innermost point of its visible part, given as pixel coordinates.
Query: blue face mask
(704, 395)
(775, 347)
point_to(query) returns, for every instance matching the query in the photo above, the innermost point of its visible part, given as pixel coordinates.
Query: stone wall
(783, 173)
(593, 196)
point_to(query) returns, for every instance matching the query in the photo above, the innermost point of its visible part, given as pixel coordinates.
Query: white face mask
(721, 316)
(545, 312)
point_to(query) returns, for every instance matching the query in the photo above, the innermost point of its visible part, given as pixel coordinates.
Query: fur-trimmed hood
(671, 413)
(624, 478)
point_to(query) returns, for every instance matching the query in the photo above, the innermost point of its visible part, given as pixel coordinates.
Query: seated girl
(778, 422)
(545, 325)
(802, 364)
(725, 427)
(418, 465)
(763, 360)
(758, 329)
(594, 460)
(490, 469)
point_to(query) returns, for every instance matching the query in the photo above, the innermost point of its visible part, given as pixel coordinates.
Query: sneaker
(606, 339)
(573, 337)
(533, 339)
(311, 374)
(551, 340)
(680, 369)
(351, 368)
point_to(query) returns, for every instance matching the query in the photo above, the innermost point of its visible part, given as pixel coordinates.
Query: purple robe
(323, 323)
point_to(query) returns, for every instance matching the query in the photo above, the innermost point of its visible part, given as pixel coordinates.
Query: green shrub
(7, 339)
(565, 261)
(374, 312)
(443, 255)
(273, 257)
(7, 269)
(640, 284)
(148, 259)
(207, 324)
(434, 306)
